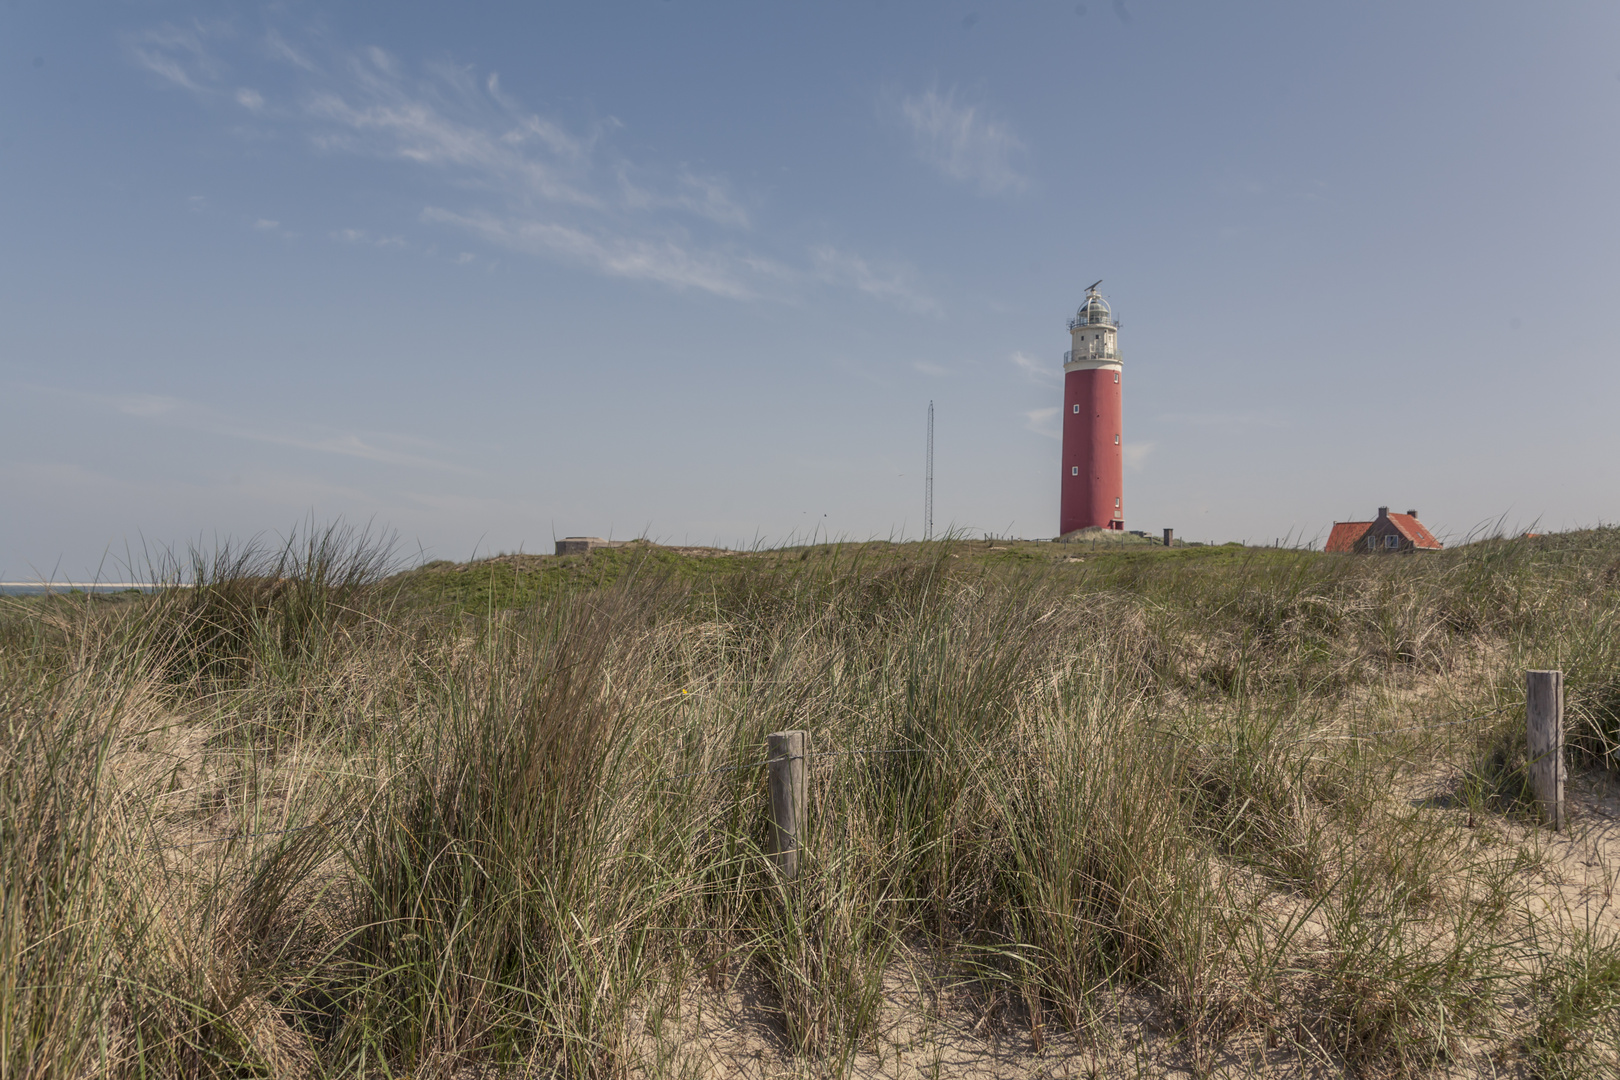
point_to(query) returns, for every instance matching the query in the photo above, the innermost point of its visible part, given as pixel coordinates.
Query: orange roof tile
(1346, 535)
(1411, 528)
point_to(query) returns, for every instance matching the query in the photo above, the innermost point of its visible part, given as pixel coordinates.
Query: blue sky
(486, 274)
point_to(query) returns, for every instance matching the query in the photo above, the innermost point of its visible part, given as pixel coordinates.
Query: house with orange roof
(1389, 534)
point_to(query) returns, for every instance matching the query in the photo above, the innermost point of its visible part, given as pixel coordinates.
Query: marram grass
(309, 819)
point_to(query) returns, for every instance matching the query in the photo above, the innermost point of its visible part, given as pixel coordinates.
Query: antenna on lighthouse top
(1093, 286)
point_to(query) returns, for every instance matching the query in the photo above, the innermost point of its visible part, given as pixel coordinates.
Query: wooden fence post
(1544, 724)
(785, 750)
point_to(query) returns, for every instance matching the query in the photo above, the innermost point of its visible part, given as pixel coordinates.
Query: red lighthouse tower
(1093, 459)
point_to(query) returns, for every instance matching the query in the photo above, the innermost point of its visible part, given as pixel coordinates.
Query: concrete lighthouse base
(1095, 535)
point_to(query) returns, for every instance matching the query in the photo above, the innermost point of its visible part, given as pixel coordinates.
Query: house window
(1074, 470)
(1372, 543)
(1392, 542)
(1077, 410)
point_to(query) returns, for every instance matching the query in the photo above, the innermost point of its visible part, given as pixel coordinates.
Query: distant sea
(25, 588)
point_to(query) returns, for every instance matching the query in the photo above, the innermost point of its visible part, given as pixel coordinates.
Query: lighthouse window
(1116, 504)
(1116, 440)
(1116, 376)
(1074, 470)
(1077, 409)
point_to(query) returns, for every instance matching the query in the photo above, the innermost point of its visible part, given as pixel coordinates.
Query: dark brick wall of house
(1379, 533)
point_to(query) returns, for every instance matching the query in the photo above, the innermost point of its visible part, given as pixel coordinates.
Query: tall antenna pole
(928, 480)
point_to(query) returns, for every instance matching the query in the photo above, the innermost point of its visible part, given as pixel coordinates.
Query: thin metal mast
(928, 480)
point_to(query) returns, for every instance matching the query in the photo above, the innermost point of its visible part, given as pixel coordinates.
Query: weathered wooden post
(1544, 724)
(1169, 537)
(785, 752)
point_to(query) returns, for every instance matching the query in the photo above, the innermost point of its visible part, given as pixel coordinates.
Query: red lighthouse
(1093, 459)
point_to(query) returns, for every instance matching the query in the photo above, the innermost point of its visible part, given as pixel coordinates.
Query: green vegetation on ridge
(516, 580)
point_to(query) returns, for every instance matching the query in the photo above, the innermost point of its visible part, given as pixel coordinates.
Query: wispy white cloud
(1044, 422)
(1136, 455)
(279, 48)
(1047, 374)
(178, 412)
(360, 236)
(529, 163)
(663, 261)
(892, 284)
(521, 180)
(273, 228)
(960, 140)
(451, 123)
(147, 405)
(929, 369)
(178, 54)
(705, 196)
